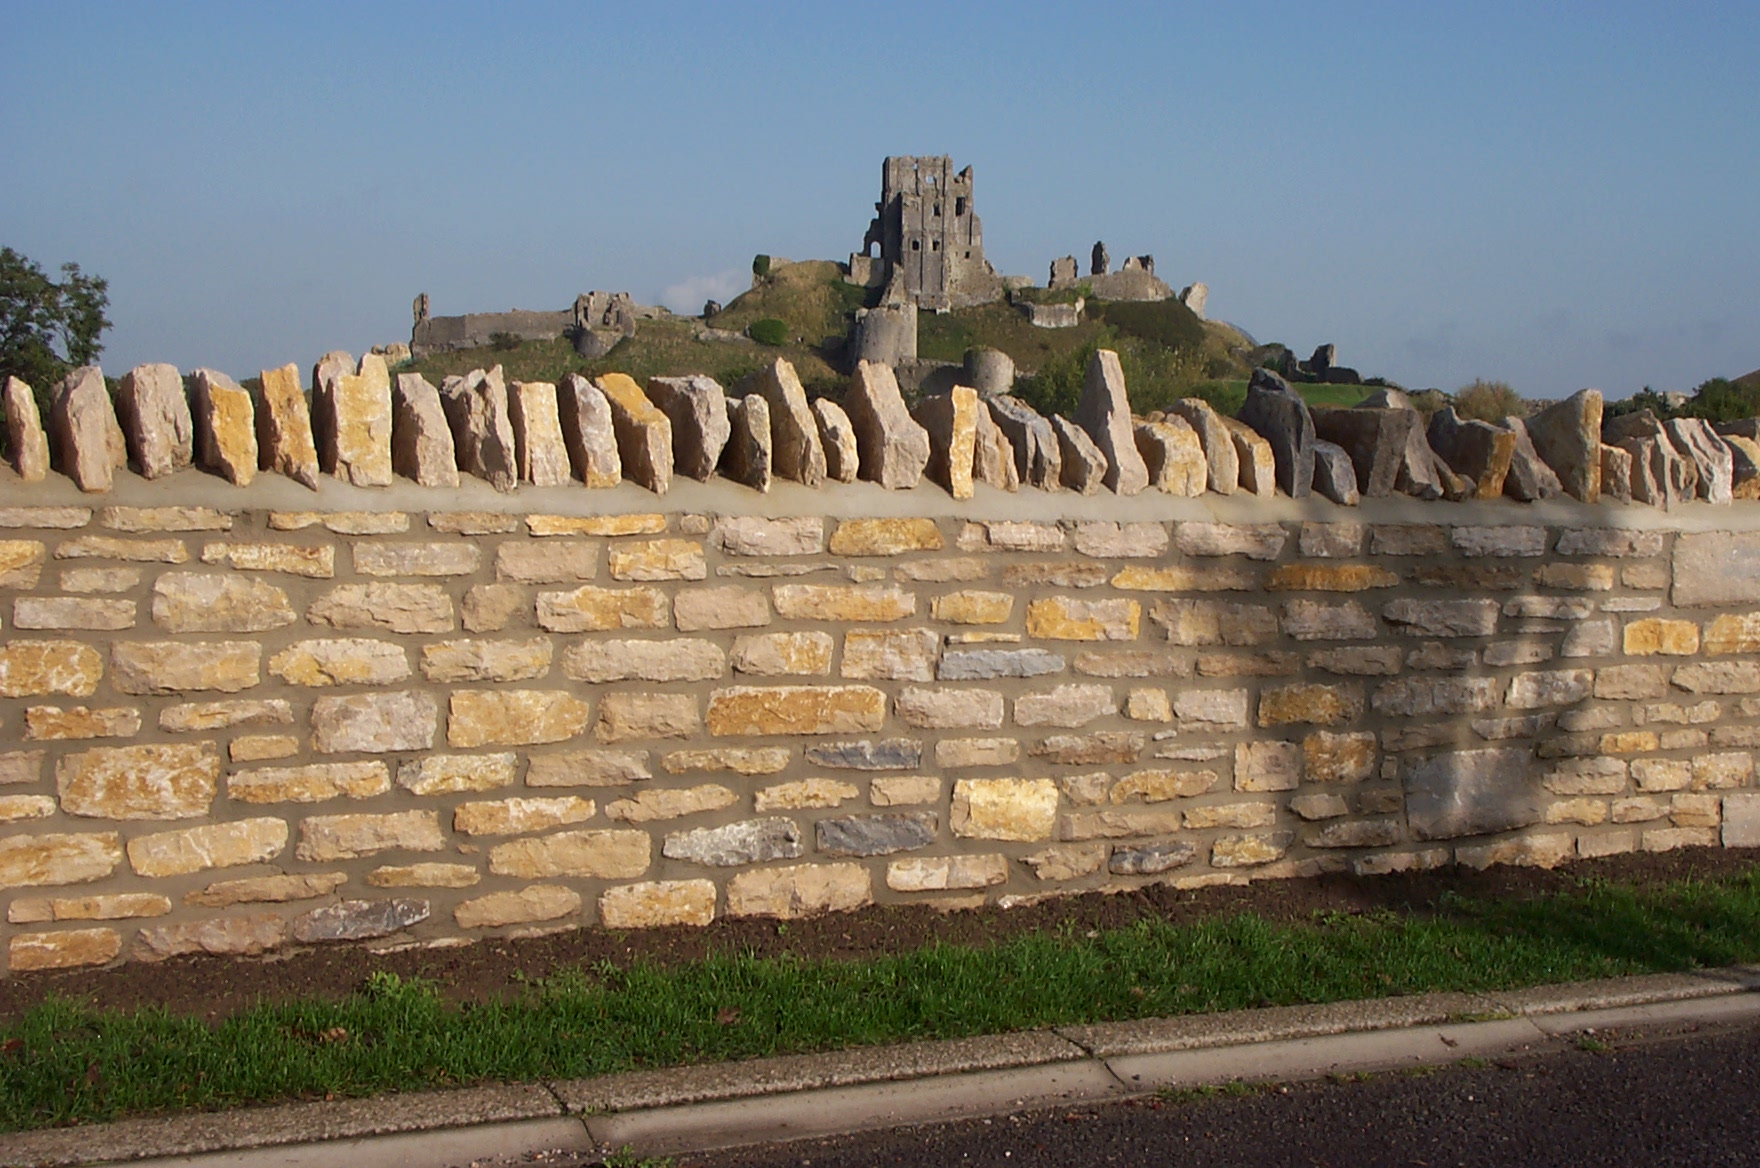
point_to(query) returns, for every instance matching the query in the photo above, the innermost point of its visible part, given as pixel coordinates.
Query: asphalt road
(1676, 1098)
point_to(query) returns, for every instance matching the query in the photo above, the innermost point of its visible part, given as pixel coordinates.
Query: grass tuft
(65, 1062)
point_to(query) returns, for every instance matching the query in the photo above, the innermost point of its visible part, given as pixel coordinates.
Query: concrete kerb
(801, 1096)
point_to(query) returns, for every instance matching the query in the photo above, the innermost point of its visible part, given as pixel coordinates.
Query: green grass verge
(70, 1063)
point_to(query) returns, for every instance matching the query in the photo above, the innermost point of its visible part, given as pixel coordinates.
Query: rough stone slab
(285, 443)
(1334, 476)
(697, 407)
(875, 835)
(1471, 792)
(1696, 440)
(195, 602)
(1258, 464)
(992, 455)
(88, 441)
(1104, 412)
(1221, 461)
(482, 427)
(1567, 436)
(225, 426)
(1530, 479)
(1716, 568)
(796, 452)
(1038, 456)
(28, 861)
(352, 419)
(951, 422)
(838, 438)
(178, 667)
(421, 438)
(1173, 456)
(1473, 448)
(374, 723)
(752, 841)
(1279, 414)
(25, 438)
(588, 432)
(537, 434)
(154, 413)
(748, 456)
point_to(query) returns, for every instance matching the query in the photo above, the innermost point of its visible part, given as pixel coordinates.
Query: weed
(1489, 401)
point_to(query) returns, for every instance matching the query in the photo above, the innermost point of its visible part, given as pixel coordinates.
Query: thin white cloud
(687, 296)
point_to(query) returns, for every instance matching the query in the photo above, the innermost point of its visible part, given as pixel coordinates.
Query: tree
(48, 328)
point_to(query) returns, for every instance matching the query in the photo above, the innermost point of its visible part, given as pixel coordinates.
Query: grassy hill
(1167, 351)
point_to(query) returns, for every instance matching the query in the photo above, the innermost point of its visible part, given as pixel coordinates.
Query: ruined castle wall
(238, 720)
(439, 334)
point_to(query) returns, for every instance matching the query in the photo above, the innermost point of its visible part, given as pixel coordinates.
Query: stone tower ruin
(929, 236)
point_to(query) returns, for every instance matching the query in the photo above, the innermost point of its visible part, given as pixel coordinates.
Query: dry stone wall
(239, 730)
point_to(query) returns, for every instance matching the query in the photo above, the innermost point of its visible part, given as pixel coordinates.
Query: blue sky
(1554, 195)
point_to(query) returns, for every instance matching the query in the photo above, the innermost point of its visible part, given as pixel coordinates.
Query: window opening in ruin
(938, 210)
(959, 210)
(968, 255)
(935, 245)
(916, 245)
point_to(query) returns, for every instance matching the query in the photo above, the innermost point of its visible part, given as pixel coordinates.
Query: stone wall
(230, 726)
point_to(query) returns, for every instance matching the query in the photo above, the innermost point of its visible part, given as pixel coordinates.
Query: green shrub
(504, 342)
(1722, 400)
(760, 266)
(1167, 323)
(1489, 401)
(768, 331)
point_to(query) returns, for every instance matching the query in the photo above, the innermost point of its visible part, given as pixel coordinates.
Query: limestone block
(1256, 541)
(1211, 710)
(1106, 540)
(904, 791)
(520, 816)
(1267, 766)
(313, 783)
(893, 655)
(170, 667)
(1083, 466)
(764, 760)
(139, 782)
(837, 436)
(752, 535)
(50, 723)
(1475, 449)
(1105, 746)
(658, 559)
(799, 891)
(285, 443)
(1733, 633)
(28, 861)
(1068, 618)
(480, 418)
(488, 608)
(67, 949)
(1662, 475)
(1280, 415)
(1173, 456)
(197, 716)
(1423, 696)
(875, 835)
(1616, 473)
(421, 438)
(803, 793)
(671, 803)
(983, 664)
(81, 580)
(1652, 636)
(1230, 815)
(777, 710)
(1180, 579)
(1442, 618)
(747, 457)
(751, 841)
(537, 902)
(196, 849)
(777, 654)
(644, 433)
(225, 426)
(945, 873)
(590, 609)
(21, 563)
(841, 602)
(1065, 705)
(351, 419)
(892, 448)
(697, 408)
(588, 432)
(1150, 859)
(1222, 463)
(1364, 660)
(103, 907)
(658, 904)
(588, 769)
(1716, 568)
(1105, 413)
(1211, 622)
(358, 920)
(592, 854)
(14, 808)
(623, 716)
(453, 662)
(139, 551)
(1537, 851)
(1011, 536)
(546, 563)
(317, 563)
(615, 660)
(210, 602)
(424, 876)
(1311, 704)
(89, 445)
(327, 838)
(885, 537)
(973, 607)
(950, 709)
(796, 450)
(1569, 438)
(513, 717)
(1302, 577)
(399, 608)
(1530, 479)
(1159, 786)
(1741, 821)
(1038, 456)
(155, 417)
(25, 439)
(352, 661)
(239, 936)
(374, 723)
(1338, 758)
(1240, 851)
(867, 755)
(1471, 792)
(1710, 455)
(1717, 772)
(951, 422)
(260, 747)
(539, 447)
(72, 612)
(1744, 466)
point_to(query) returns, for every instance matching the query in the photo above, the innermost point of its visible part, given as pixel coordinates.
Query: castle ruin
(929, 237)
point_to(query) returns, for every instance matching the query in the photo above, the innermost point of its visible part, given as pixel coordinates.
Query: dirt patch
(216, 987)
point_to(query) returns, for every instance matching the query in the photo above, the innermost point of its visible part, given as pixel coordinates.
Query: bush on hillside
(1717, 400)
(1489, 401)
(768, 331)
(1165, 322)
(503, 342)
